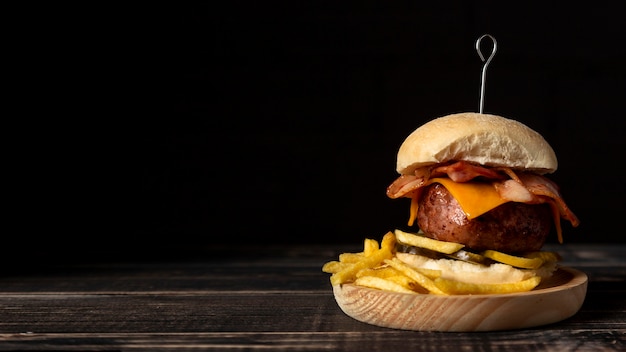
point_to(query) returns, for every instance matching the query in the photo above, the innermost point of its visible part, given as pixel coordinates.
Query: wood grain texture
(265, 299)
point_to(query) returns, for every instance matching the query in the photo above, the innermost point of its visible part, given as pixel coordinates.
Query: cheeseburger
(479, 180)
(481, 209)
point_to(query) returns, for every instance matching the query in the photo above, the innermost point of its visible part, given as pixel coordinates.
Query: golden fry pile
(377, 267)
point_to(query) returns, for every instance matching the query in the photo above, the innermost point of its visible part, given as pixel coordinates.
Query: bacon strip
(404, 185)
(462, 171)
(543, 187)
(514, 191)
(524, 187)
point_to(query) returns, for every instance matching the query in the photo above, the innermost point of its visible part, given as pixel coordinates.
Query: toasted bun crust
(489, 140)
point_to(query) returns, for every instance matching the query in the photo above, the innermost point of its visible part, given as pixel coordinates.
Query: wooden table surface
(264, 299)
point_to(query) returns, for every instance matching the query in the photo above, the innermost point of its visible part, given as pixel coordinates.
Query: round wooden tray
(555, 299)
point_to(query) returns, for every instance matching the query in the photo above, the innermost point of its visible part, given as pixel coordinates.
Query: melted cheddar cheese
(475, 198)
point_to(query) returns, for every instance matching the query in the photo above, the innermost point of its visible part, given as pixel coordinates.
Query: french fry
(388, 242)
(349, 273)
(389, 273)
(334, 266)
(428, 243)
(463, 288)
(381, 271)
(414, 286)
(415, 275)
(377, 267)
(382, 284)
(405, 282)
(429, 273)
(351, 257)
(369, 246)
(512, 260)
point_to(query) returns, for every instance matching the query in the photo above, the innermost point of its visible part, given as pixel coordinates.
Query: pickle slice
(471, 257)
(546, 256)
(428, 243)
(405, 248)
(512, 260)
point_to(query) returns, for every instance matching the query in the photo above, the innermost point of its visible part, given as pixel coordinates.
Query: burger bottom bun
(473, 273)
(556, 298)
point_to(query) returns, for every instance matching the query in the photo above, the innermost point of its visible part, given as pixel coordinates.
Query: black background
(151, 128)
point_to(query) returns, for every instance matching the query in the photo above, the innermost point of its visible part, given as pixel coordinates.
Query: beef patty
(511, 227)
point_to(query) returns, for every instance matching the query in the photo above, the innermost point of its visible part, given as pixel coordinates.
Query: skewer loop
(486, 63)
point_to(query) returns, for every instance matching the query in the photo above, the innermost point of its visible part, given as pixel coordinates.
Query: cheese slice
(475, 198)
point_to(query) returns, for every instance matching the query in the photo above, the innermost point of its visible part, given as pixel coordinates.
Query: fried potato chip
(463, 288)
(519, 262)
(428, 243)
(414, 275)
(382, 284)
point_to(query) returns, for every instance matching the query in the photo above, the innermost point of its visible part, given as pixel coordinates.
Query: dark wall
(256, 122)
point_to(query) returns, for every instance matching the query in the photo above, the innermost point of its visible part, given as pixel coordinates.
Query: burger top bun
(485, 139)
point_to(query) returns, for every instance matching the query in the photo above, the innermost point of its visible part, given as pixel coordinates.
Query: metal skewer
(484, 71)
